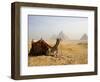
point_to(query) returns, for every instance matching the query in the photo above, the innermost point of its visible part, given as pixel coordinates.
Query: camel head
(58, 39)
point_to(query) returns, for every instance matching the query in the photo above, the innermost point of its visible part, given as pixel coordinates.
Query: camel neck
(57, 43)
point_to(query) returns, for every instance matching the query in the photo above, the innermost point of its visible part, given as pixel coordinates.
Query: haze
(47, 26)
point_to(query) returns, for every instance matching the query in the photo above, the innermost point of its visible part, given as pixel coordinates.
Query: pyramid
(84, 37)
(62, 36)
(54, 37)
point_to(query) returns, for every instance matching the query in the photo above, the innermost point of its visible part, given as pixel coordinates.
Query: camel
(54, 50)
(42, 48)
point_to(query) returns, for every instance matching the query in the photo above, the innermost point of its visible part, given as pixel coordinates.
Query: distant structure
(84, 37)
(61, 35)
(53, 37)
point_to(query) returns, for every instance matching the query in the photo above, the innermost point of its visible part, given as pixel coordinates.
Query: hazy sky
(47, 26)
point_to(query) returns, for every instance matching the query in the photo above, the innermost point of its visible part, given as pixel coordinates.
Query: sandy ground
(70, 52)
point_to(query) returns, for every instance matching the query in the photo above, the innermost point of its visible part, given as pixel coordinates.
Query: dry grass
(70, 52)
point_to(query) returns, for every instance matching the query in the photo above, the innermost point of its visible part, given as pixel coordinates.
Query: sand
(69, 52)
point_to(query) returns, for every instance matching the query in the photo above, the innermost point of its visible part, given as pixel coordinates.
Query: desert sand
(69, 52)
